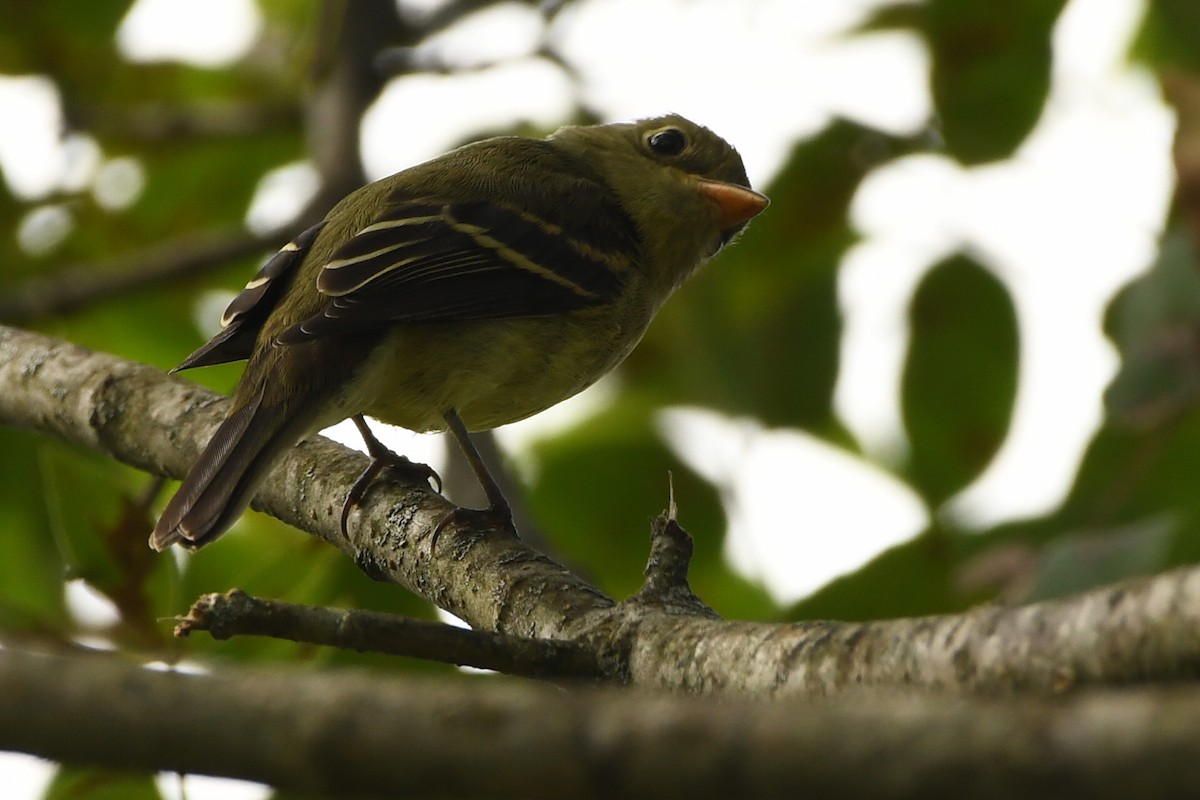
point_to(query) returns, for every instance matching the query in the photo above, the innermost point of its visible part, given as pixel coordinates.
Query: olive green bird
(461, 294)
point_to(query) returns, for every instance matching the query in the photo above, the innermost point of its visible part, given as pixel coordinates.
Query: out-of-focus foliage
(97, 784)
(1168, 35)
(772, 300)
(960, 378)
(991, 68)
(1133, 508)
(758, 336)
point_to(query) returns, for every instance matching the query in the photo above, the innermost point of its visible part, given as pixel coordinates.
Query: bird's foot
(408, 471)
(495, 517)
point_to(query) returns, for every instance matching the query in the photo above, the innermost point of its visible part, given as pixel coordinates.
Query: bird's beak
(735, 204)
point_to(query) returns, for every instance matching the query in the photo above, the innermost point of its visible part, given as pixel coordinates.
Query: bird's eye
(668, 142)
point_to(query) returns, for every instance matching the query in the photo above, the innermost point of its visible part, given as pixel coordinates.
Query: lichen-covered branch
(1145, 630)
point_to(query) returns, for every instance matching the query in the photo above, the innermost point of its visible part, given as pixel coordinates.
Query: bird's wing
(246, 313)
(426, 259)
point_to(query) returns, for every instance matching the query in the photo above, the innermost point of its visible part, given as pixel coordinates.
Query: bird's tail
(223, 480)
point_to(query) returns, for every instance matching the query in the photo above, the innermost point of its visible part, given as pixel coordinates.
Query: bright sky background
(1060, 233)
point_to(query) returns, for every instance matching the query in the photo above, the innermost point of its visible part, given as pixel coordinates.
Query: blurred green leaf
(84, 501)
(960, 378)
(1155, 323)
(911, 579)
(1076, 562)
(85, 783)
(991, 72)
(1128, 476)
(1142, 462)
(59, 37)
(1170, 35)
(100, 525)
(899, 15)
(32, 570)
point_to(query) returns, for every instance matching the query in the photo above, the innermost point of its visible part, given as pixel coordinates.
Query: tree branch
(1144, 630)
(72, 288)
(400, 737)
(199, 120)
(236, 613)
(666, 585)
(345, 84)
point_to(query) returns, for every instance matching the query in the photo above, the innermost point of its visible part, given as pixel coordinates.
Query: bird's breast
(497, 371)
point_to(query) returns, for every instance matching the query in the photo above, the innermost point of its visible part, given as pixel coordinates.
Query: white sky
(1061, 234)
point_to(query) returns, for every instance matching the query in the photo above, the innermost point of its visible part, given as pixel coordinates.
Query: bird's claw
(408, 471)
(496, 517)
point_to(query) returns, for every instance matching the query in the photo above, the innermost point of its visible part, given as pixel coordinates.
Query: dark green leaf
(32, 570)
(85, 783)
(1170, 35)
(960, 377)
(910, 579)
(991, 72)
(1155, 323)
(1086, 560)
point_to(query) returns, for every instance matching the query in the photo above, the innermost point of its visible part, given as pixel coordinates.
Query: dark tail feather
(222, 482)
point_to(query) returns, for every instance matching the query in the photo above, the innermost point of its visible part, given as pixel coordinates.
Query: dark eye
(668, 142)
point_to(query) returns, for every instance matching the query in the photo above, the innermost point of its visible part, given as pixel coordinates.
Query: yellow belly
(493, 372)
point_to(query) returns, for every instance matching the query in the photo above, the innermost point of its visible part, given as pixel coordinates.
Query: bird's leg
(382, 458)
(497, 514)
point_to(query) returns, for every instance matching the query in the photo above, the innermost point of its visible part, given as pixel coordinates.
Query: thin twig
(73, 288)
(236, 613)
(158, 122)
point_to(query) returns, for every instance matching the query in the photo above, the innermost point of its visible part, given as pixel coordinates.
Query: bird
(461, 294)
